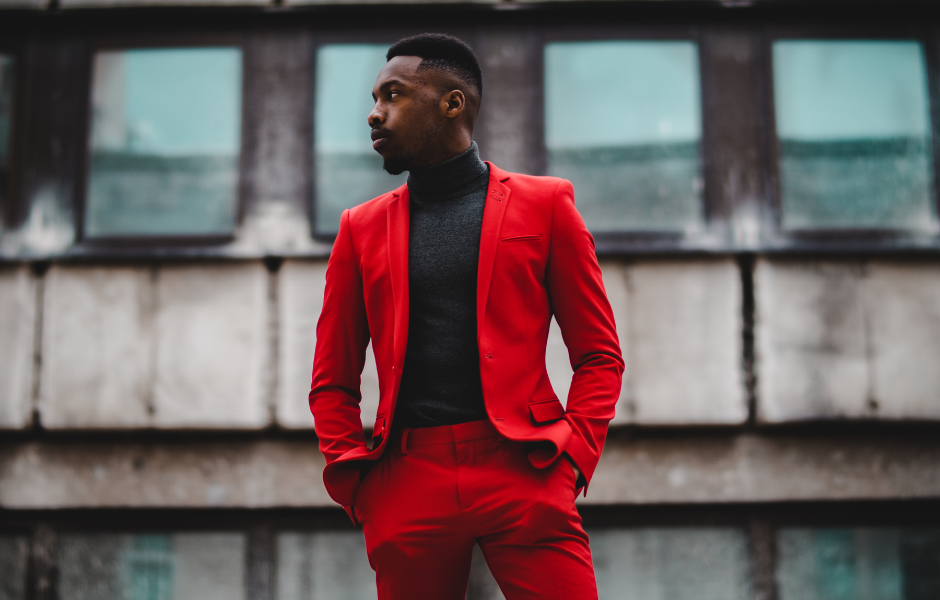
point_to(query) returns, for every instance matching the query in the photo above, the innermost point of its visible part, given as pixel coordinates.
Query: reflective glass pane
(325, 565)
(12, 567)
(623, 122)
(348, 170)
(853, 126)
(182, 566)
(671, 564)
(6, 109)
(858, 564)
(165, 142)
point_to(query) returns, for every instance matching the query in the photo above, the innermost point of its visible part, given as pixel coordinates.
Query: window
(849, 564)
(348, 170)
(6, 122)
(680, 563)
(165, 143)
(179, 566)
(623, 122)
(325, 565)
(853, 129)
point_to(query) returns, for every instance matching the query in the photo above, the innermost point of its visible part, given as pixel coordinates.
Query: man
(455, 277)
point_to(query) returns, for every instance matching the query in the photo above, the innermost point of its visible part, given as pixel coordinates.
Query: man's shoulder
(540, 185)
(373, 210)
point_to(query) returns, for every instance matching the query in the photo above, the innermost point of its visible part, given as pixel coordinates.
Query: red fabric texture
(536, 260)
(440, 490)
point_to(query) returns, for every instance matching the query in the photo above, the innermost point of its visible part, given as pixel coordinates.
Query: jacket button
(488, 356)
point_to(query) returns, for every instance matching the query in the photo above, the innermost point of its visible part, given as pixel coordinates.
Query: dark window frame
(849, 238)
(156, 41)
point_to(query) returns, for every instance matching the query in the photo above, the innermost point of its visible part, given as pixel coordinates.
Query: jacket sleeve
(586, 320)
(342, 337)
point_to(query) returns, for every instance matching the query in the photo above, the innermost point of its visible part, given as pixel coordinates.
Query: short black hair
(442, 51)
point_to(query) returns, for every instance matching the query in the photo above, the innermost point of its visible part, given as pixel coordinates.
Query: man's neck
(449, 178)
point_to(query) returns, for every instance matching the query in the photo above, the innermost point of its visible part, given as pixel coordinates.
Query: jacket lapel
(398, 227)
(497, 198)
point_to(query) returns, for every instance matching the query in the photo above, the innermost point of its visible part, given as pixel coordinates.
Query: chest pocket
(522, 238)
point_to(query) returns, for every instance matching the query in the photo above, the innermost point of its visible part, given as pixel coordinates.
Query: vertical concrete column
(277, 142)
(509, 129)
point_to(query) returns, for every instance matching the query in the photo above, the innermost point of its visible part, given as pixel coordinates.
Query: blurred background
(760, 178)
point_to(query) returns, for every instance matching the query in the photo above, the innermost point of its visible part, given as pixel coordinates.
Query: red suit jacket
(536, 259)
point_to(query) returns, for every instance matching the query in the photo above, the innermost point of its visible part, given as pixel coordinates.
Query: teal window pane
(6, 121)
(13, 553)
(348, 170)
(165, 142)
(858, 564)
(623, 122)
(854, 135)
(675, 563)
(178, 566)
(325, 565)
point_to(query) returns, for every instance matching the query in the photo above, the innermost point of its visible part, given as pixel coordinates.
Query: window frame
(850, 239)
(157, 41)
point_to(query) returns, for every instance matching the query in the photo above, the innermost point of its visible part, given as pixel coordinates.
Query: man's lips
(379, 138)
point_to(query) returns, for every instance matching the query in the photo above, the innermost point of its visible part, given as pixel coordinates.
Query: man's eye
(393, 93)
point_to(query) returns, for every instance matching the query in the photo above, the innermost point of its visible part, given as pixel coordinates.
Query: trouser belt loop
(404, 441)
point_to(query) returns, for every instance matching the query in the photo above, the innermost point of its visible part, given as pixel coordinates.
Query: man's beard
(395, 165)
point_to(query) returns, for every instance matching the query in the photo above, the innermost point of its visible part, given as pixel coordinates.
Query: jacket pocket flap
(545, 411)
(522, 238)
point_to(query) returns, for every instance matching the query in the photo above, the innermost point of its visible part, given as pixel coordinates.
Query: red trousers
(437, 491)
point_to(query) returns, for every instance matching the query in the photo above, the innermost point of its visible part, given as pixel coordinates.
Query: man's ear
(453, 103)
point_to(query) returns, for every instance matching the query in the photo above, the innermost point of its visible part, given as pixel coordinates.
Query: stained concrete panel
(847, 339)
(301, 285)
(97, 342)
(17, 334)
(212, 346)
(679, 325)
(684, 343)
(905, 339)
(810, 332)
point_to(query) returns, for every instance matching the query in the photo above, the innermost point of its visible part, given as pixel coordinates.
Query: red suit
(536, 260)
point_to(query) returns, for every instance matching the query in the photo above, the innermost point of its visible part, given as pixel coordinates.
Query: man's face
(406, 120)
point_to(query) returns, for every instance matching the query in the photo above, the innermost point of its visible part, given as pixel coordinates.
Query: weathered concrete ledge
(697, 468)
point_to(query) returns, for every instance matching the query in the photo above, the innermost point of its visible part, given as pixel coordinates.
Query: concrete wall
(17, 339)
(178, 346)
(228, 345)
(847, 339)
(646, 470)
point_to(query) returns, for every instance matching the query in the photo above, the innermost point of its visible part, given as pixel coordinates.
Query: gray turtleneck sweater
(441, 378)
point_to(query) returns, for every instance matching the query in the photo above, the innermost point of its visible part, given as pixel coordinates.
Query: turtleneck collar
(450, 179)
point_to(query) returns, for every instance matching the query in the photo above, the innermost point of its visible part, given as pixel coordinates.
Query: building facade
(761, 181)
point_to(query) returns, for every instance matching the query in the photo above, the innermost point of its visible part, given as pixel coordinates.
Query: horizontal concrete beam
(697, 468)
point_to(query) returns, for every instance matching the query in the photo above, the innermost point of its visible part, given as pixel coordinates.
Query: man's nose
(376, 116)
